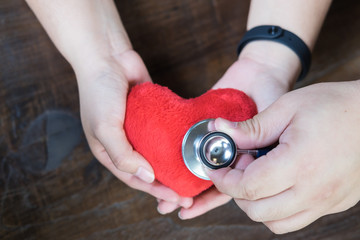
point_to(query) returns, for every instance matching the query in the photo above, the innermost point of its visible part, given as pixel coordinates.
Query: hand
(103, 92)
(92, 38)
(315, 169)
(264, 83)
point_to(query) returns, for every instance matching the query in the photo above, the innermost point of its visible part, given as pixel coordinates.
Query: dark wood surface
(51, 187)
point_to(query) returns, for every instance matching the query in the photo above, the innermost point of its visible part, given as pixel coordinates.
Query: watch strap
(280, 35)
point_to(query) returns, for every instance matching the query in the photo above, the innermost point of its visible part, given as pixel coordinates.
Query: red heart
(157, 120)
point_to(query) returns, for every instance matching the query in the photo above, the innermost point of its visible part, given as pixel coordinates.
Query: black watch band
(280, 35)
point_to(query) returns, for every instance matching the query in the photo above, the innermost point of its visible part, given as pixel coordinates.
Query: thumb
(263, 130)
(123, 156)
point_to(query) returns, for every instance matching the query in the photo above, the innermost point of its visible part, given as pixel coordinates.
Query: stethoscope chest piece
(202, 147)
(217, 150)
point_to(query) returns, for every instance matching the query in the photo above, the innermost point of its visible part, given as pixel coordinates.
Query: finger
(165, 207)
(275, 208)
(203, 203)
(155, 188)
(267, 176)
(243, 161)
(123, 156)
(343, 205)
(262, 130)
(293, 223)
(186, 202)
(101, 154)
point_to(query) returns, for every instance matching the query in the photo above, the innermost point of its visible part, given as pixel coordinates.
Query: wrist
(126, 68)
(106, 42)
(264, 72)
(96, 64)
(278, 62)
(103, 54)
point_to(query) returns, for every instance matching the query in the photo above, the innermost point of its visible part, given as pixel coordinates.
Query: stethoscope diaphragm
(202, 147)
(217, 150)
(190, 147)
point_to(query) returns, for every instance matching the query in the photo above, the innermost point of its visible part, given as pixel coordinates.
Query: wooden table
(51, 185)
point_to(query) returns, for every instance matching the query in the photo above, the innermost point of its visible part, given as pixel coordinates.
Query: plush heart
(157, 120)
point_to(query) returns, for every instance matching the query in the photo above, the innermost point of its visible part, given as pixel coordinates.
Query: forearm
(82, 30)
(302, 17)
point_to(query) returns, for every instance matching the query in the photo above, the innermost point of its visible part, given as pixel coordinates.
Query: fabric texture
(157, 120)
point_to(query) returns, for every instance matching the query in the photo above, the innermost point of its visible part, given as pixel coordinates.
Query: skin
(244, 72)
(293, 185)
(298, 181)
(96, 45)
(270, 65)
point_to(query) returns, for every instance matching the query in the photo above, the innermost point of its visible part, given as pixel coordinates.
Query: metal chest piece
(203, 147)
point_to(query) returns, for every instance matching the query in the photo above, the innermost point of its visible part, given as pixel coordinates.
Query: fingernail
(221, 123)
(159, 211)
(211, 126)
(179, 215)
(145, 175)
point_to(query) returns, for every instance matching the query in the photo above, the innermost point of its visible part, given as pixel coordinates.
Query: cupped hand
(264, 71)
(103, 93)
(315, 169)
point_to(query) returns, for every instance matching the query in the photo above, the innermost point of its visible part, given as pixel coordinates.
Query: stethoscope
(202, 147)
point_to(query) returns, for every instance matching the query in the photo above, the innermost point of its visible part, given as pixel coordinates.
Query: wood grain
(51, 187)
